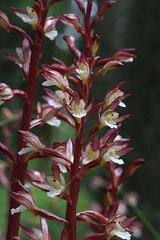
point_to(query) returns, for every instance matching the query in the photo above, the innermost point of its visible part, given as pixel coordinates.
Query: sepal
(95, 215)
(32, 142)
(46, 214)
(124, 55)
(5, 149)
(132, 168)
(71, 45)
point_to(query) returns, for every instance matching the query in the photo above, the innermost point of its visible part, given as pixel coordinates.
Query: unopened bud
(6, 93)
(95, 45)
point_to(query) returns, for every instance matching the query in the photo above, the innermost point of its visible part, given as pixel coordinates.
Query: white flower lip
(117, 160)
(54, 121)
(111, 124)
(48, 83)
(18, 209)
(51, 34)
(79, 115)
(54, 193)
(26, 150)
(122, 234)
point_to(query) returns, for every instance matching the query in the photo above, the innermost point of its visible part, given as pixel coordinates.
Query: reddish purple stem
(74, 187)
(19, 169)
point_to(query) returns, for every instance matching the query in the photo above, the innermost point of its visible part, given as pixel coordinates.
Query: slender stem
(74, 187)
(88, 28)
(20, 166)
(114, 186)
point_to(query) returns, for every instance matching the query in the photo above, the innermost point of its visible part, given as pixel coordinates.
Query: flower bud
(95, 45)
(6, 93)
(71, 45)
(4, 21)
(110, 65)
(83, 69)
(124, 55)
(72, 20)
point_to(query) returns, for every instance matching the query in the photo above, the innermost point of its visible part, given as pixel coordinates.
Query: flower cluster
(115, 225)
(67, 98)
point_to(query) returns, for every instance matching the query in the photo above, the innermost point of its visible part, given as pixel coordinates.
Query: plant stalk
(74, 187)
(19, 169)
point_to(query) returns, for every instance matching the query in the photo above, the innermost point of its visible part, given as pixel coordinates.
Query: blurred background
(127, 24)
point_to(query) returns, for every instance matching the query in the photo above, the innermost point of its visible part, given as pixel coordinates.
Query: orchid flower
(29, 17)
(115, 225)
(78, 107)
(32, 142)
(110, 118)
(48, 115)
(22, 56)
(49, 28)
(54, 78)
(67, 150)
(55, 183)
(25, 200)
(56, 98)
(113, 94)
(111, 155)
(124, 55)
(83, 69)
(91, 152)
(32, 175)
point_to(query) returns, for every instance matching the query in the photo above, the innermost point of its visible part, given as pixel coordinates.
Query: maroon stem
(74, 187)
(20, 166)
(88, 28)
(75, 184)
(114, 185)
